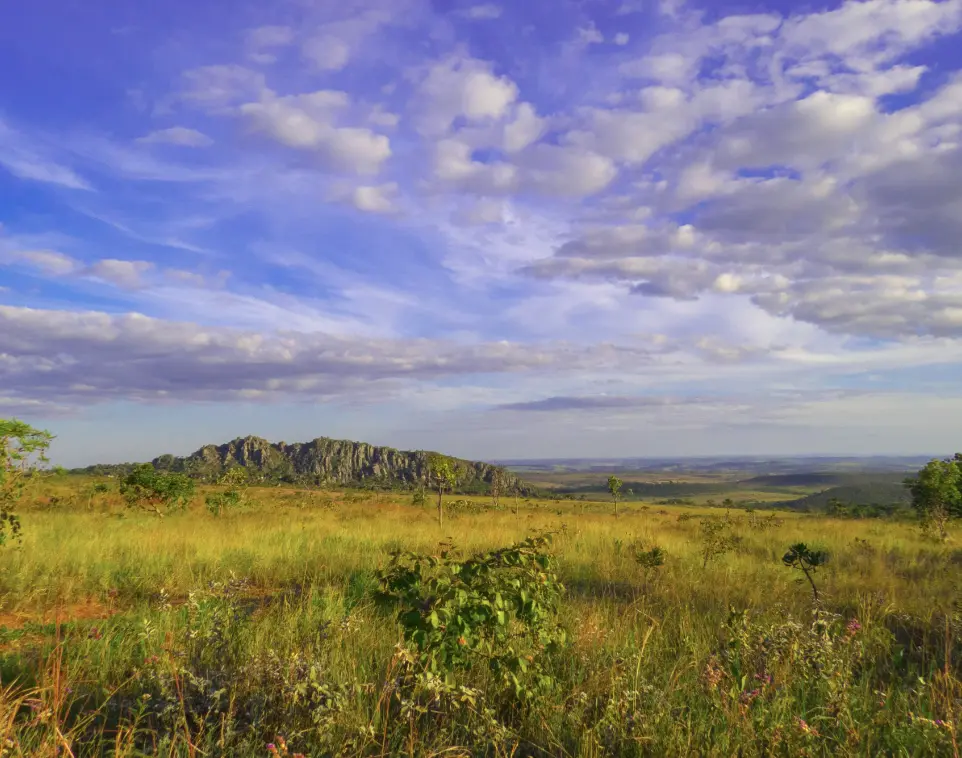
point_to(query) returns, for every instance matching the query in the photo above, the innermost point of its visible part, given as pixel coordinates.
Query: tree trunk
(440, 508)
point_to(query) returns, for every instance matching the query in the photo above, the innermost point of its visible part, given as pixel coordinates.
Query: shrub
(806, 560)
(156, 491)
(235, 481)
(717, 539)
(497, 608)
(21, 448)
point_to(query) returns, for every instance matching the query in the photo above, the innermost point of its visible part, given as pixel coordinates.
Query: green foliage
(498, 608)
(157, 491)
(235, 481)
(717, 538)
(650, 559)
(22, 448)
(936, 494)
(499, 480)
(806, 560)
(614, 487)
(443, 473)
(419, 497)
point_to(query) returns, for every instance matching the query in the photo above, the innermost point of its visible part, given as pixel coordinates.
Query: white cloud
(266, 38)
(453, 164)
(26, 161)
(621, 38)
(309, 122)
(525, 128)
(47, 261)
(221, 86)
(461, 87)
(126, 274)
(327, 52)
(484, 12)
(177, 135)
(566, 170)
(332, 45)
(379, 199)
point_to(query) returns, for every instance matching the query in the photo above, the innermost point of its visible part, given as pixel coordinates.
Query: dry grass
(310, 563)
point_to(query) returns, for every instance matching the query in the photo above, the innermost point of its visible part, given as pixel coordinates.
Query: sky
(556, 228)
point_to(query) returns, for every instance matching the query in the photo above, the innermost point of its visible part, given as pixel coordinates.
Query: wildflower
(805, 728)
(462, 641)
(712, 675)
(853, 628)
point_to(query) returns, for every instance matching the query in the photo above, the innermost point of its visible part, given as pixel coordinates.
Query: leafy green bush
(235, 480)
(497, 608)
(650, 559)
(21, 448)
(156, 491)
(717, 539)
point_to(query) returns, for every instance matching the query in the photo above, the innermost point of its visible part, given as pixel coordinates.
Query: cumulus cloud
(461, 87)
(377, 199)
(566, 170)
(47, 261)
(127, 274)
(310, 122)
(802, 188)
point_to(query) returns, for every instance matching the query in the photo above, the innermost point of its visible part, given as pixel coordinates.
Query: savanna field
(283, 625)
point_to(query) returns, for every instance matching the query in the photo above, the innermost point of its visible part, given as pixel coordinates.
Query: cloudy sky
(499, 229)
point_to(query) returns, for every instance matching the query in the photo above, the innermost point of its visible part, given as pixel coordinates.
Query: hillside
(879, 494)
(827, 479)
(322, 461)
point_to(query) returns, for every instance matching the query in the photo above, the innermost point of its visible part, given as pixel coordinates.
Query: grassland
(125, 634)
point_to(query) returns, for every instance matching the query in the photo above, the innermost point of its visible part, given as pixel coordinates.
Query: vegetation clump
(160, 492)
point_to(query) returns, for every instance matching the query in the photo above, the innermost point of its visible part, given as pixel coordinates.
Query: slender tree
(614, 487)
(498, 483)
(443, 476)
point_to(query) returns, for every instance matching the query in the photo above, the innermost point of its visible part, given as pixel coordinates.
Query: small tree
(806, 560)
(614, 487)
(235, 481)
(443, 476)
(498, 485)
(935, 494)
(22, 448)
(156, 491)
(716, 539)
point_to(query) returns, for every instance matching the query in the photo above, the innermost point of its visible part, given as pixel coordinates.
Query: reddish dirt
(88, 610)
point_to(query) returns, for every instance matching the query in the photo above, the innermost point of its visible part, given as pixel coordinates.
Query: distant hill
(744, 466)
(321, 461)
(827, 479)
(881, 494)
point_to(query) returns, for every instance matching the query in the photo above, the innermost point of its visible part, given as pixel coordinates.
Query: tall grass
(125, 634)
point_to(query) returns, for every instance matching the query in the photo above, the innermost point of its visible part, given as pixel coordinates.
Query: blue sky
(503, 230)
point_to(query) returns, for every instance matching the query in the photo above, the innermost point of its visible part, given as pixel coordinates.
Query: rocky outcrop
(328, 461)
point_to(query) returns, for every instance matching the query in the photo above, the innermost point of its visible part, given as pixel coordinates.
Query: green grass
(265, 622)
